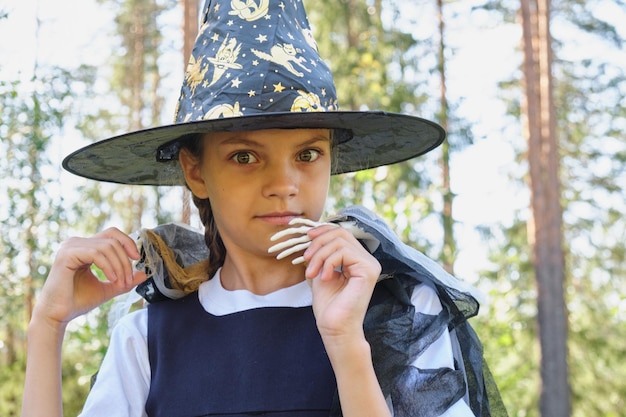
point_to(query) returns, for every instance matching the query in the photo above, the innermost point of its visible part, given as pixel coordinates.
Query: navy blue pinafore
(259, 362)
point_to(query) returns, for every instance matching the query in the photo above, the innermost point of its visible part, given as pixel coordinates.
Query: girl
(314, 331)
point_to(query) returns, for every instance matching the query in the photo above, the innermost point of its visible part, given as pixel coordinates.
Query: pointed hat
(255, 65)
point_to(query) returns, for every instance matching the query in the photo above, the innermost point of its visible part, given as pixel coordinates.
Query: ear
(191, 169)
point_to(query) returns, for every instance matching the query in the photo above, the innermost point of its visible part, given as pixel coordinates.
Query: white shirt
(123, 381)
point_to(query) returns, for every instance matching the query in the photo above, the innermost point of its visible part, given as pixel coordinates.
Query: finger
(325, 259)
(329, 231)
(112, 290)
(324, 235)
(118, 257)
(90, 293)
(331, 251)
(126, 248)
(104, 258)
(109, 256)
(128, 243)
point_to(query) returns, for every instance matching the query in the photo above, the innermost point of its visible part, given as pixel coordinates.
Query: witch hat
(255, 65)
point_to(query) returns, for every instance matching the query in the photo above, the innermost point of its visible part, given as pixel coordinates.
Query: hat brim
(378, 138)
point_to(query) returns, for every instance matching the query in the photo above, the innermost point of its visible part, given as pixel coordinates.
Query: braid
(217, 251)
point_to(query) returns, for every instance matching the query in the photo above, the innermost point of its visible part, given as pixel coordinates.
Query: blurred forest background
(534, 89)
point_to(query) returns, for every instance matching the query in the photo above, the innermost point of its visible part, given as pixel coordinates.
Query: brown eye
(308, 155)
(244, 158)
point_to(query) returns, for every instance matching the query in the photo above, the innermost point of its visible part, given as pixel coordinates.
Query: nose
(281, 180)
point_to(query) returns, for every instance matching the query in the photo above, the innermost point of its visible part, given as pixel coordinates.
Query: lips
(279, 218)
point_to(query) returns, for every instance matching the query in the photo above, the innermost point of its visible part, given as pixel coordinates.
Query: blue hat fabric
(255, 65)
(255, 60)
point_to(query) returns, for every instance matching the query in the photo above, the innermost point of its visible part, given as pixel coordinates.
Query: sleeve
(123, 381)
(440, 354)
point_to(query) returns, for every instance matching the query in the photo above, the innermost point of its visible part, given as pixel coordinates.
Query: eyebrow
(238, 140)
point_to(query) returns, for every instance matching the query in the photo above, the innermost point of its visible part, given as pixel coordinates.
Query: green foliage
(374, 64)
(32, 115)
(506, 323)
(11, 385)
(399, 193)
(591, 122)
(593, 172)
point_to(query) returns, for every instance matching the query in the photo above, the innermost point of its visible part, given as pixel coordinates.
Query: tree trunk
(545, 226)
(190, 32)
(448, 252)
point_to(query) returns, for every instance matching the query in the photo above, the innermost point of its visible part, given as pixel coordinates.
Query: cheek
(316, 188)
(322, 179)
(217, 193)
(215, 190)
(227, 193)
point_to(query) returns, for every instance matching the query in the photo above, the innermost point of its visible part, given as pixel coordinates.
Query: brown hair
(212, 238)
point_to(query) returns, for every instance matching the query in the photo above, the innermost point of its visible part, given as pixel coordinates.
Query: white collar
(217, 300)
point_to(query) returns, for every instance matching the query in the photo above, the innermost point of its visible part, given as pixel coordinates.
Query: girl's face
(257, 181)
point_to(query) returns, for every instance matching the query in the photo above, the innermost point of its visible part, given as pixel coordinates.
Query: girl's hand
(72, 289)
(343, 275)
